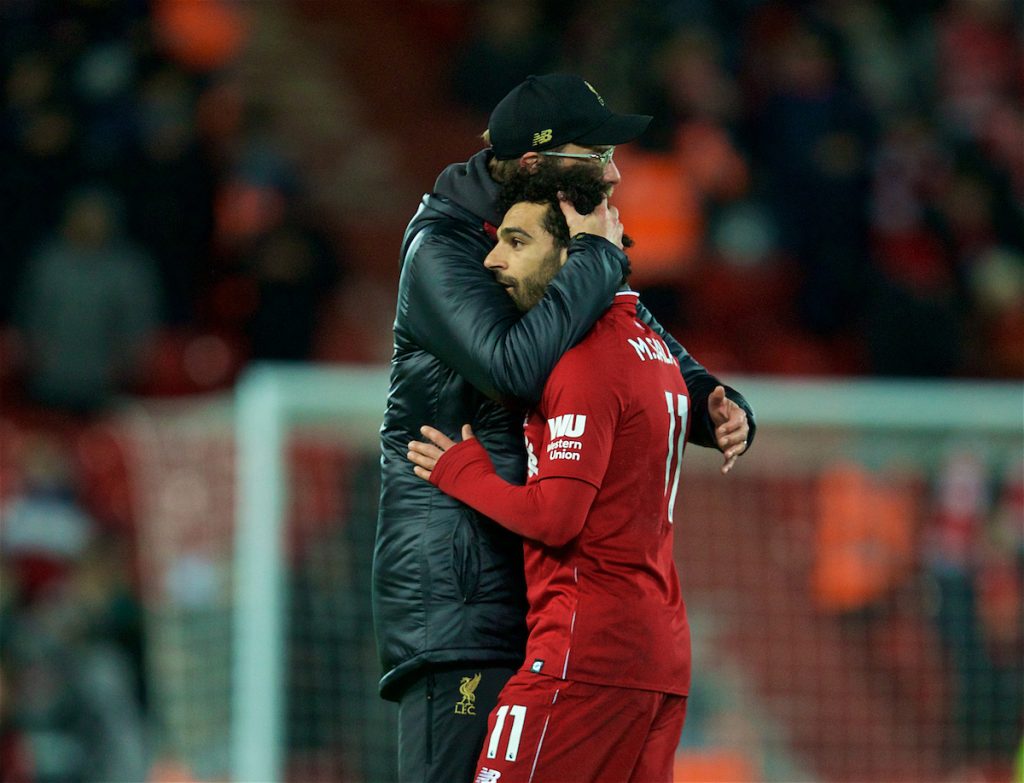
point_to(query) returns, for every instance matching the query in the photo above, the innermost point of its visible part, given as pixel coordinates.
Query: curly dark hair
(582, 186)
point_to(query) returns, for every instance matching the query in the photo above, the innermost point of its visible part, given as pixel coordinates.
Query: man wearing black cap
(448, 588)
(553, 116)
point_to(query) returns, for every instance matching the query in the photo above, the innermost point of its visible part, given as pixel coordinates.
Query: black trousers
(442, 721)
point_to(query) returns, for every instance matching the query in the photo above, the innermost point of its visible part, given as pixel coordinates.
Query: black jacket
(447, 582)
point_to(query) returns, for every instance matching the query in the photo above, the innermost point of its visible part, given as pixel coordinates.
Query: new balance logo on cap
(555, 109)
(541, 137)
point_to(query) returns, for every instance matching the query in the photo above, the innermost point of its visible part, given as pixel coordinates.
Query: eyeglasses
(603, 158)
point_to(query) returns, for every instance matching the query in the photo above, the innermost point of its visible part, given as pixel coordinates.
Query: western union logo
(542, 137)
(571, 425)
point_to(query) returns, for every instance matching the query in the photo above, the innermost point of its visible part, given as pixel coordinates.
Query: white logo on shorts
(487, 775)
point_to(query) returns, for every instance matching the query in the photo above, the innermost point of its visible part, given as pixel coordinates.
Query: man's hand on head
(602, 222)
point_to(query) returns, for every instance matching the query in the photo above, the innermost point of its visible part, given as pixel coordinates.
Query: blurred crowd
(156, 237)
(844, 177)
(827, 187)
(925, 574)
(155, 240)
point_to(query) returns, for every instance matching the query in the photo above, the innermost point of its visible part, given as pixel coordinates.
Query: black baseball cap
(555, 109)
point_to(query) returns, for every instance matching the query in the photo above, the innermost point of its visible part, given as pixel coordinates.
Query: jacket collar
(469, 186)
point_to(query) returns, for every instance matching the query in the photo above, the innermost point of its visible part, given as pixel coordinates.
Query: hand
(731, 428)
(603, 221)
(425, 455)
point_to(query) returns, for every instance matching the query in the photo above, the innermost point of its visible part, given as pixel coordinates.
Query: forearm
(551, 511)
(702, 428)
(575, 298)
(452, 307)
(699, 383)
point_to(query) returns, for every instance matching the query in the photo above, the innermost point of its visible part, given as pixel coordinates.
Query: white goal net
(854, 585)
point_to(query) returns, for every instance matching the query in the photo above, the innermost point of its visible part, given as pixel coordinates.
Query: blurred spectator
(812, 142)
(87, 306)
(103, 79)
(202, 36)
(996, 281)
(691, 167)
(277, 264)
(44, 528)
(978, 60)
(73, 693)
(978, 612)
(15, 756)
(508, 41)
(880, 64)
(38, 158)
(295, 272)
(662, 207)
(71, 709)
(258, 182)
(864, 540)
(169, 189)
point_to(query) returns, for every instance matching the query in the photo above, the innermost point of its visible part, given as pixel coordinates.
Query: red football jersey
(606, 608)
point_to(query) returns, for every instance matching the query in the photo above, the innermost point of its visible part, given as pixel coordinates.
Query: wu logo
(570, 425)
(542, 137)
(468, 690)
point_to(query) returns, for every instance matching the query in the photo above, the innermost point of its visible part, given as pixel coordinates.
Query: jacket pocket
(466, 556)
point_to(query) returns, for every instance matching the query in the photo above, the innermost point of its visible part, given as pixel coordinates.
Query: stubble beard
(528, 292)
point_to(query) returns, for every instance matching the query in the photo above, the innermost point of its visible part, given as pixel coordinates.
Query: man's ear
(529, 161)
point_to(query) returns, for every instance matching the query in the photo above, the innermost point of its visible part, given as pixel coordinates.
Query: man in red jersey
(602, 692)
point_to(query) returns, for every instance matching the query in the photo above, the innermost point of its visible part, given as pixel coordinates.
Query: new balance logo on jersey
(570, 425)
(532, 468)
(651, 349)
(487, 775)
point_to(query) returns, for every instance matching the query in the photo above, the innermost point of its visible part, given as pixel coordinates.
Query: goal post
(256, 512)
(935, 406)
(269, 399)
(804, 426)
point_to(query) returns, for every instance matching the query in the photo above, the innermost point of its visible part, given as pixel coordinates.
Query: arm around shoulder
(455, 309)
(700, 384)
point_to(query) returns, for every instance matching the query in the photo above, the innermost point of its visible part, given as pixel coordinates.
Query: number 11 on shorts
(518, 712)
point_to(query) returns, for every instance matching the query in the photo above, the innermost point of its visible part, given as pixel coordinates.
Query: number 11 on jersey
(678, 406)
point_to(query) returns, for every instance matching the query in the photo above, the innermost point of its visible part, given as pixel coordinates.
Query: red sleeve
(581, 406)
(551, 511)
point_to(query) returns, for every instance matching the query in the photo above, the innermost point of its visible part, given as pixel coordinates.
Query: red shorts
(546, 730)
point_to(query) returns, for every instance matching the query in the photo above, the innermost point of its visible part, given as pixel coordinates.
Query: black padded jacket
(447, 582)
